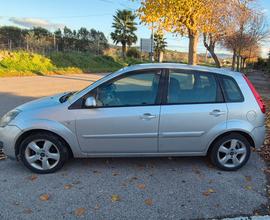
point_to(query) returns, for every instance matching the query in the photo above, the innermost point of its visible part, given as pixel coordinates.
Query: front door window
(135, 89)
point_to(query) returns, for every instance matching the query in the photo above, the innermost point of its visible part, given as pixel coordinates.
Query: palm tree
(160, 45)
(124, 29)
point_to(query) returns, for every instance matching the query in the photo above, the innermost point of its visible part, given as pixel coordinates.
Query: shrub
(24, 61)
(133, 52)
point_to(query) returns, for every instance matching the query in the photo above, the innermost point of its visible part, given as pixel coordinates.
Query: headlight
(4, 121)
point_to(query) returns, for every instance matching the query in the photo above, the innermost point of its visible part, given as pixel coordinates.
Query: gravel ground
(134, 188)
(148, 188)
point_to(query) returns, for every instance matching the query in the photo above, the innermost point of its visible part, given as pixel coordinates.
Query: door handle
(217, 112)
(148, 116)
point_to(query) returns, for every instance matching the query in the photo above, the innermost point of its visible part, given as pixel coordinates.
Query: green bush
(133, 52)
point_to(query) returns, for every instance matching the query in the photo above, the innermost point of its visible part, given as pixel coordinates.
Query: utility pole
(54, 41)
(98, 45)
(27, 44)
(10, 45)
(152, 44)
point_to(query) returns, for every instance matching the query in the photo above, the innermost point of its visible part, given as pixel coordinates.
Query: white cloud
(35, 22)
(265, 11)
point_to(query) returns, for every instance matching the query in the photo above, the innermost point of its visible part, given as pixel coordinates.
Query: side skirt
(170, 154)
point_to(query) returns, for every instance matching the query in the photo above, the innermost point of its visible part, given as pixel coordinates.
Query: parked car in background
(142, 110)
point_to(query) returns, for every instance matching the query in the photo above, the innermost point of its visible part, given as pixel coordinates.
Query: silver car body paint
(122, 131)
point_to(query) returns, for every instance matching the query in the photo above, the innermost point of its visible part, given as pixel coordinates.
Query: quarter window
(188, 88)
(135, 89)
(231, 90)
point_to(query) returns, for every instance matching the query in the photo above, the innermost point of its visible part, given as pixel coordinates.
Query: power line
(72, 16)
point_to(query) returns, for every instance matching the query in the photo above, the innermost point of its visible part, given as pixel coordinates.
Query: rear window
(231, 90)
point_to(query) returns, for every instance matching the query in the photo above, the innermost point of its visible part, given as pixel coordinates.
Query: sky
(97, 14)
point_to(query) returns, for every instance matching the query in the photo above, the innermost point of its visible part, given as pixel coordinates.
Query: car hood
(42, 102)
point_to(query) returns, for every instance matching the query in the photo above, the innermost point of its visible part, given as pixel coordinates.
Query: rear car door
(126, 117)
(193, 105)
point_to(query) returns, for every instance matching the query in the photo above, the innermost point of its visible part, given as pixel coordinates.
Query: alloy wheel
(232, 153)
(42, 154)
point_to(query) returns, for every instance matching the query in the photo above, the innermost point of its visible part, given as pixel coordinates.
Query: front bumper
(258, 135)
(8, 137)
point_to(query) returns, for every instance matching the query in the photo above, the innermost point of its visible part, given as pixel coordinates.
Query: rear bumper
(258, 135)
(8, 137)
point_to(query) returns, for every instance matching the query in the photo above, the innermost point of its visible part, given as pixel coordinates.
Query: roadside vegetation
(22, 63)
(237, 26)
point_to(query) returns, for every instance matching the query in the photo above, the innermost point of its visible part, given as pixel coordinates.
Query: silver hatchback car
(142, 110)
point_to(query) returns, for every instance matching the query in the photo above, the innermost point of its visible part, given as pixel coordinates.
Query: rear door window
(192, 87)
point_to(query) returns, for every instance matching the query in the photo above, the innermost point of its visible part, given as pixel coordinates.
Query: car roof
(180, 66)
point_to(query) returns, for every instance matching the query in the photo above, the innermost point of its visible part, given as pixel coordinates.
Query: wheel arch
(34, 131)
(245, 134)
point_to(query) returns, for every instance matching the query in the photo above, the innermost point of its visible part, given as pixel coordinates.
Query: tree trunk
(214, 56)
(234, 60)
(211, 48)
(124, 50)
(160, 57)
(238, 63)
(193, 46)
(244, 63)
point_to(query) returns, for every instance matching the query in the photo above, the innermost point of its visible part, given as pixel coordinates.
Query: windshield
(69, 96)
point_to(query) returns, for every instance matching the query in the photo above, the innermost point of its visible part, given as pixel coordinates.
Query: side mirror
(90, 102)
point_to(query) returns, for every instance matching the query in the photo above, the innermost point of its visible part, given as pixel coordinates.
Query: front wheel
(43, 152)
(230, 152)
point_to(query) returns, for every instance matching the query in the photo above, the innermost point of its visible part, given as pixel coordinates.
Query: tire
(43, 152)
(236, 155)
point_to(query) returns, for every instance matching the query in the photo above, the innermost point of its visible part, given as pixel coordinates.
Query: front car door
(193, 106)
(125, 119)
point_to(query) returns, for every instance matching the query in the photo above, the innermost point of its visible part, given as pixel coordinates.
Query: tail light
(256, 94)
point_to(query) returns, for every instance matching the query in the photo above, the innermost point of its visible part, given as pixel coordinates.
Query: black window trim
(165, 92)
(79, 104)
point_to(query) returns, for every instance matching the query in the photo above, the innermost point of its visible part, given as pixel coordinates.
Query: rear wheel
(43, 152)
(230, 152)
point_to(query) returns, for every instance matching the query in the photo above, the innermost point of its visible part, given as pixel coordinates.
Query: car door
(193, 107)
(126, 117)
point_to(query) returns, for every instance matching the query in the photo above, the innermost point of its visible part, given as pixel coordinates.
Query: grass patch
(22, 63)
(85, 61)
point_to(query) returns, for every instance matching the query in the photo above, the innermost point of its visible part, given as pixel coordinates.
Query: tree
(40, 32)
(82, 39)
(250, 53)
(98, 41)
(185, 17)
(69, 39)
(41, 40)
(37, 44)
(159, 45)
(124, 29)
(249, 31)
(268, 61)
(220, 22)
(12, 37)
(59, 40)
